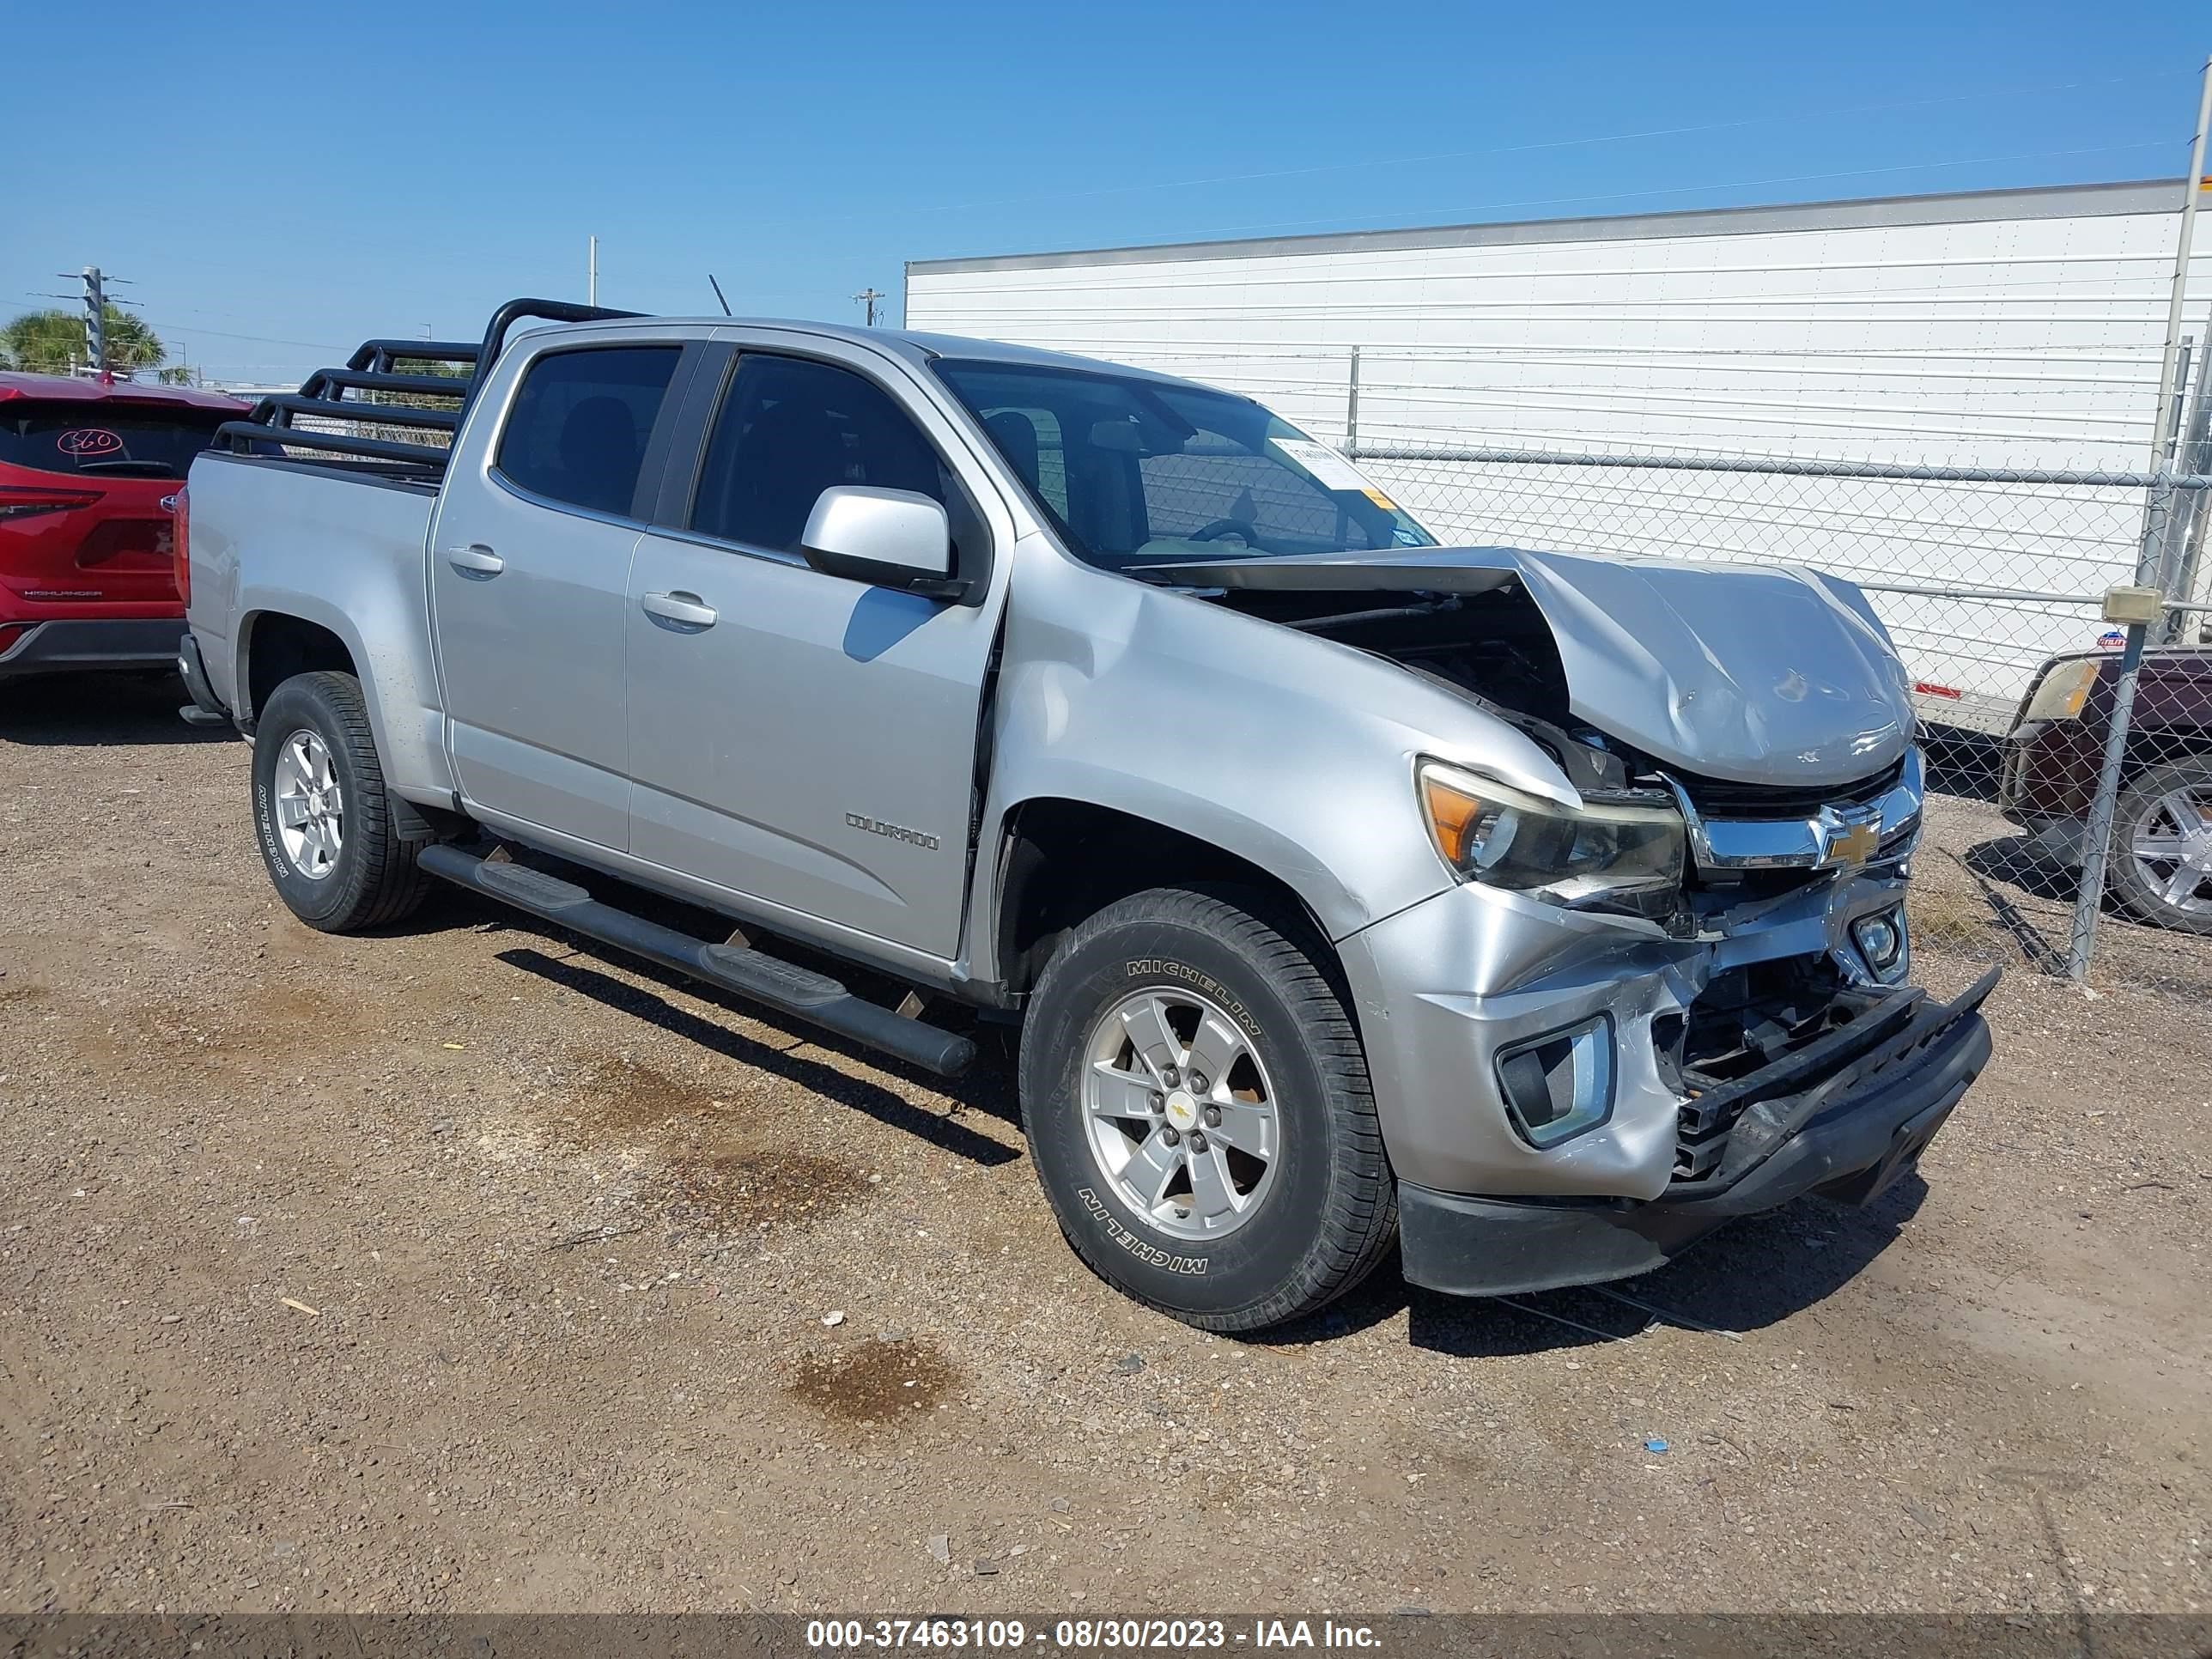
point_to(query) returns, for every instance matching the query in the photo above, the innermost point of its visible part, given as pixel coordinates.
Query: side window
(790, 429)
(578, 428)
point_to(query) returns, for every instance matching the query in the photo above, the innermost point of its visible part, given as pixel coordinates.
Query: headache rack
(414, 385)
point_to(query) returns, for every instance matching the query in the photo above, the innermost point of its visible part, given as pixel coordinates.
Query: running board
(784, 986)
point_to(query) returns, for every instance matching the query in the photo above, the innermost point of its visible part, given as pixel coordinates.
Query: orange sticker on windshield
(1380, 499)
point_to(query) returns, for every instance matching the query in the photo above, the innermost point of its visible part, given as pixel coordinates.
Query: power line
(257, 339)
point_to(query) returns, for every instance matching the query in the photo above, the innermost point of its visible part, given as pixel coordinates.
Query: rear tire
(1233, 1201)
(340, 849)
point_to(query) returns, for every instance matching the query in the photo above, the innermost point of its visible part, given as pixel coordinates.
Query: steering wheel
(1221, 527)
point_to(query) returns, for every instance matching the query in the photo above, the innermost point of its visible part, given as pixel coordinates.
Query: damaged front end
(1676, 994)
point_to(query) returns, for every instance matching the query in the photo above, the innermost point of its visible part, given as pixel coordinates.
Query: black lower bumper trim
(1876, 1119)
(78, 642)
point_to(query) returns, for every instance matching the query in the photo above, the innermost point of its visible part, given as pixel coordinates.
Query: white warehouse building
(2007, 330)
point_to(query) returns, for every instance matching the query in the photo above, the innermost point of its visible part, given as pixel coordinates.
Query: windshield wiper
(1388, 613)
(1155, 576)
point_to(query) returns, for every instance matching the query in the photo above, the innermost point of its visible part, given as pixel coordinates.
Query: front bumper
(1844, 1117)
(68, 643)
(2044, 782)
(1443, 988)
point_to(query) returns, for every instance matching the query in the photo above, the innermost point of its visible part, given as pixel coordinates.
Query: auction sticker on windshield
(1330, 470)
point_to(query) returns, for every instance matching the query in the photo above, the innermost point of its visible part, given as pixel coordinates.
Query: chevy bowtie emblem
(1848, 845)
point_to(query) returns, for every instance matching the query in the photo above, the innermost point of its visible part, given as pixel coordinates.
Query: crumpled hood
(1756, 674)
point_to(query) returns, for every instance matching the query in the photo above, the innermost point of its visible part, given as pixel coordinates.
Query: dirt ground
(457, 1268)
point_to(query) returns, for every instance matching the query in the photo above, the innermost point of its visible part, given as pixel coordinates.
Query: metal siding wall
(2030, 342)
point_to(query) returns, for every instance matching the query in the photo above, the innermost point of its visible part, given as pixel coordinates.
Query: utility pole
(96, 302)
(592, 275)
(95, 320)
(867, 297)
(2162, 424)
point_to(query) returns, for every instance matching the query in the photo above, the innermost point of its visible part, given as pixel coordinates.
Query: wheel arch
(1061, 859)
(2162, 745)
(274, 645)
(283, 633)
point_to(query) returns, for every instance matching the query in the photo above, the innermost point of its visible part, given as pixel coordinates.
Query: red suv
(88, 480)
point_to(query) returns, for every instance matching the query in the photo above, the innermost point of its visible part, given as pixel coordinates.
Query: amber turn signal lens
(1452, 814)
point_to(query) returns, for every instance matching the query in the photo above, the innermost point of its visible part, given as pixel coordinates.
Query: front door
(797, 738)
(530, 559)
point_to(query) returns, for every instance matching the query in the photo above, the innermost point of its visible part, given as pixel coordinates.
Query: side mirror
(888, 538)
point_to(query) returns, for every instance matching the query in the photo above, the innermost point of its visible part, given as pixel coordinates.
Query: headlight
(1597, 857)
(2063, 691)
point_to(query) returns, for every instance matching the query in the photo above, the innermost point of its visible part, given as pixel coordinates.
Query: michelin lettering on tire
(1168, 968)
(265, 820)
(1146, 1251)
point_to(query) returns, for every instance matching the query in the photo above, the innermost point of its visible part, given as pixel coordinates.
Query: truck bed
(344, 548)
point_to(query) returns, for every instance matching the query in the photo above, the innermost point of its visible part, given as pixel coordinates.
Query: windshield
(1132, 471)
(105, 439)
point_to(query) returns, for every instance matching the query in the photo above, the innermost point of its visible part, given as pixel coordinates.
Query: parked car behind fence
(2158, 867)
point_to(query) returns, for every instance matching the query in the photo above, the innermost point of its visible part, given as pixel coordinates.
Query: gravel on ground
(461, 1268)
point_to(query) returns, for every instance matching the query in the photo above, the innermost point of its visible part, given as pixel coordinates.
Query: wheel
(1198, 1112)
(341, 851)
(2160, 867)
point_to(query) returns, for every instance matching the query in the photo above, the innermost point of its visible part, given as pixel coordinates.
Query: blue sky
(804, 152)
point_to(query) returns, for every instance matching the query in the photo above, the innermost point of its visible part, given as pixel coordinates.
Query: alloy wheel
(310, 806)
(1179, 1112)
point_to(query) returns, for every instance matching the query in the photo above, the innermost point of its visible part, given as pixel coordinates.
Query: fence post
(2184, 539)
(1352, 407)
(2098, 833)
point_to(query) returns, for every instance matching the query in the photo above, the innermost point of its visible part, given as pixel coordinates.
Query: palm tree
(53, 342)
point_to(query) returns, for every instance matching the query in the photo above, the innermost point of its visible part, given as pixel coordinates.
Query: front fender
(1291, 752)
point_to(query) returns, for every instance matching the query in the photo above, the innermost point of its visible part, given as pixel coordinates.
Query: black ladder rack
(376, 369)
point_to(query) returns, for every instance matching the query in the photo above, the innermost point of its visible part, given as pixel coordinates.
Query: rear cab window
(93, 439)
(576, 432)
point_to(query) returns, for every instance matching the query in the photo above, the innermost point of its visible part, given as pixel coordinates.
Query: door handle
(475, 559)
(680, 607)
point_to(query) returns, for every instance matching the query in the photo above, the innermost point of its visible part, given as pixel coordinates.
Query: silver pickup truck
(1536, 912)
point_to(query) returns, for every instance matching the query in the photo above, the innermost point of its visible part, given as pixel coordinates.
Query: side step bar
(782, 986)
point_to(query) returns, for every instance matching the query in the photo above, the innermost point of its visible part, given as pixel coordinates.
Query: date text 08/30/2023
(1125, 1635)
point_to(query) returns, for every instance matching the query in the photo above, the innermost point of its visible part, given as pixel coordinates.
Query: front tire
(1198, 1108)
(2159, 869)
(339, 849)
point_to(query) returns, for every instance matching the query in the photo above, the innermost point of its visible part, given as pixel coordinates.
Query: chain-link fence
(2054, 729)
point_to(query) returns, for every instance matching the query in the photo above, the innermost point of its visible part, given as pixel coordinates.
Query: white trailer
(2009, 329)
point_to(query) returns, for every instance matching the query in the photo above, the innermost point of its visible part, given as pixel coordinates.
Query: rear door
(529, 563)
(800, 738)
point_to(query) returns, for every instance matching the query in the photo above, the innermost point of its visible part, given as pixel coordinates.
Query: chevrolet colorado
(1535, 911)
